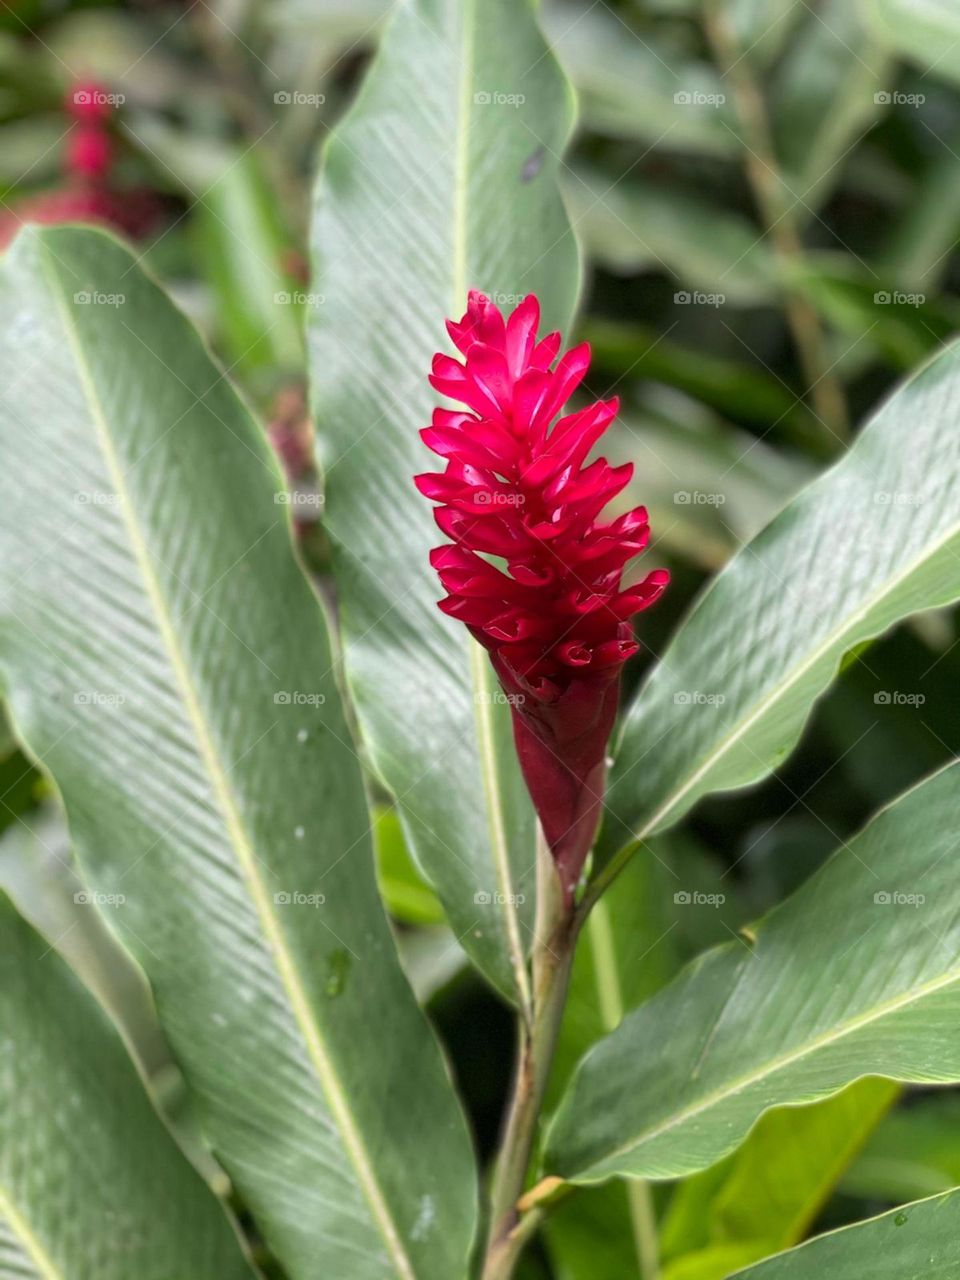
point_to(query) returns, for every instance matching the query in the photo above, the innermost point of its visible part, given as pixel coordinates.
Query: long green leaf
(91, 1183)
(858, 974)
(167, 662)
(918, 1242)
(442, 178)
(875, 539)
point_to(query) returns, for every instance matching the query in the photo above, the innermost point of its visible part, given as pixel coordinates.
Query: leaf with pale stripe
(873, 540)
(857, 974)
(91, 1182)
(442, 178)
(168, 663)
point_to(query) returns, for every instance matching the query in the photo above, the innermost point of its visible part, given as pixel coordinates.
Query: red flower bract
(549, 607)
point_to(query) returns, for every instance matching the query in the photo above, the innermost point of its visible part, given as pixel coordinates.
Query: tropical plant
(295, 857)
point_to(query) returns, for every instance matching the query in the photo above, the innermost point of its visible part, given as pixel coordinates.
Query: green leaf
(91, 1183)
(37, 872)
(404, 893)
(778, 1181)
(925, 31)
(825, 97)
(632, 944)
(870, 542)
(857, 974)
(763, 27)
(635, 225)
(183, 699)
(707, 485)
(632, 85)
(918, 1242)
(443, 177)
(914, 1153)
(740, 390)
(246, 251)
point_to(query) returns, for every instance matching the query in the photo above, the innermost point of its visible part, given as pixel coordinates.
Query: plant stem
(825, 391)
(554, 944)
(610, 1003)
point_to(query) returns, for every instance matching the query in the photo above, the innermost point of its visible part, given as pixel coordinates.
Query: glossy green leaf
(918, 1242)
(775, 1184)
(91, 1183)
(870, 542)
(857, 974)
(183, 699)
(443, 177)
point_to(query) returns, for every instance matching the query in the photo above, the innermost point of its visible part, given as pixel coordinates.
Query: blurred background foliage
(768, 196)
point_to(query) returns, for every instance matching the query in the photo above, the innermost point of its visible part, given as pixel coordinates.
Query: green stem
(610, 1003)
(825, 392)
(554, 944)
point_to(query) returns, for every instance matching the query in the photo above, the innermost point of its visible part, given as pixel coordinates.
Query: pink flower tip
(555, 618)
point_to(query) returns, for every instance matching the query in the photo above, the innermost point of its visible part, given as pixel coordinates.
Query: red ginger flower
(556, 623)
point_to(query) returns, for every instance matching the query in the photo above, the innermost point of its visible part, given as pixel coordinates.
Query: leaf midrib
(242, 844)
(34, 1250)
(774, 1065)
(480, 676)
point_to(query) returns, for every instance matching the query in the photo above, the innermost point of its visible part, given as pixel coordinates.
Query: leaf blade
(917, 1242)
(839, 978)
(465, 195)
(190, 722)
(90, 1125)
(738, 680)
